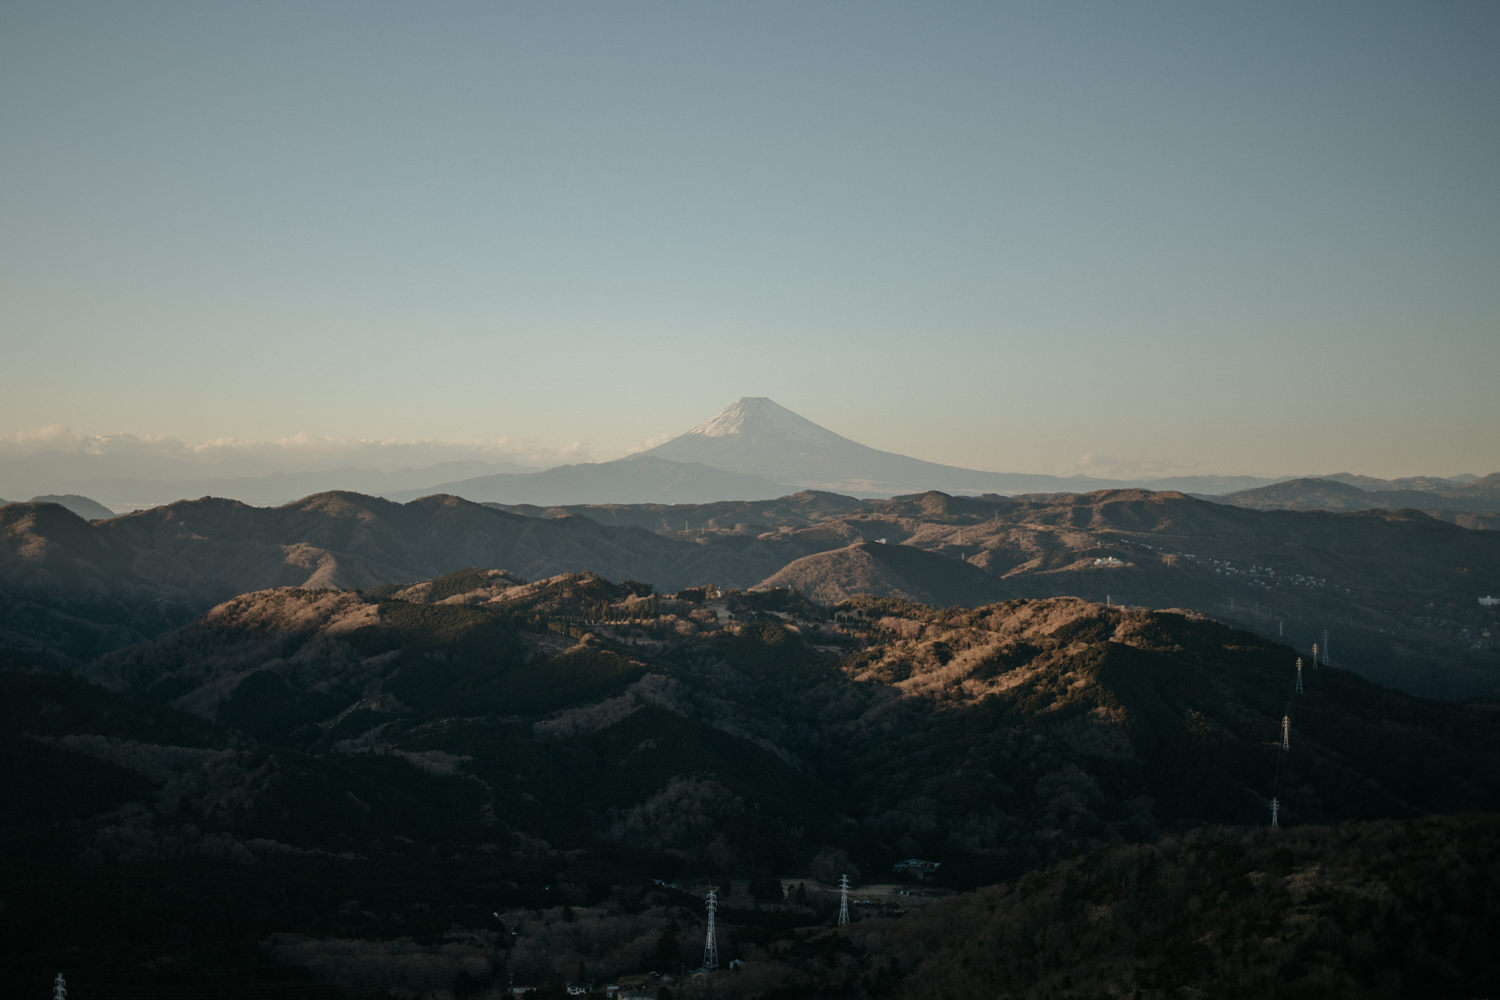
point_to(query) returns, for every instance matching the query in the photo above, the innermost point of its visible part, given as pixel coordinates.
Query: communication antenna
(1299, 675)
(843, 900)
(710, 944)
(59, 988)
(1275, 806)
(1286, 732)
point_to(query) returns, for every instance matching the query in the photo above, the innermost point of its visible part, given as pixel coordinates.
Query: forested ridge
(573, 742)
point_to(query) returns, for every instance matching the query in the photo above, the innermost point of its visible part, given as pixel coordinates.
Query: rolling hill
(900, 571)
(1398, 591)
(1472, 504)
(85, 508)
(333, 758)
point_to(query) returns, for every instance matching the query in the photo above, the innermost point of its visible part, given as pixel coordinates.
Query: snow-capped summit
(757, 436)
(760, 415)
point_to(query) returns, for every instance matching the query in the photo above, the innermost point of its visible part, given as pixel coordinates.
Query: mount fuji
(757, 436)
(756, 449)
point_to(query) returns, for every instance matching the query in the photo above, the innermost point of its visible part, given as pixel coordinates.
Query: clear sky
(1117, 238)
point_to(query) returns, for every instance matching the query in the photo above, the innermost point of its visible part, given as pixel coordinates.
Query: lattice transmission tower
(1275, 807)
(843, 900)
(1299, 675)
(710, 943)
(1286, 732)
(59, 988)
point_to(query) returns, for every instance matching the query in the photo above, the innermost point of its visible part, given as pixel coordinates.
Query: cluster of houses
(917, 868)
(641, 988)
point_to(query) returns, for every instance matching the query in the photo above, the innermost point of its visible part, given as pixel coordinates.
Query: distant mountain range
(635, 479)
(753, 449)
(85, 508)
(757, 436)
(123, 485)
(758, 449)
(1470, 501)
(1399, 590)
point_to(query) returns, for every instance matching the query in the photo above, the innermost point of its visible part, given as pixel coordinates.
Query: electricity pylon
(710, 944)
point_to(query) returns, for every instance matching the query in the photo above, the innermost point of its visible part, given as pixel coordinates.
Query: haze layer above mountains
(753, 449)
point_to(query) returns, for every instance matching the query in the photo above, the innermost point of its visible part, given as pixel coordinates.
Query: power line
(1289, 714)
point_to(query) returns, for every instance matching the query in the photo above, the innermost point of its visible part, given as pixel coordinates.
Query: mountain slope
(67, 593)
(133, 481)
(1341, 910)
(85, 508)
(889, 570)
(1473, 505)
(399, 764)
(1398, 590)
(756, 436)
(72, 589)
(635, 479)
(350, 540)
(797, 510)
(1099, 722)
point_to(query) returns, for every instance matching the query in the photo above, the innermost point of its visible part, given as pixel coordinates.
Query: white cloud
(60, 438)
(240, 456)
(649, 443)
(1134, 467)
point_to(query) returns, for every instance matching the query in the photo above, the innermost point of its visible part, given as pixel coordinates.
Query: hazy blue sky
(1116, 237)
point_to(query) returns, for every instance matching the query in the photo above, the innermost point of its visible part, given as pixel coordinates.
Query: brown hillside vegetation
(1397, 590)
(900, 571)
(1081, 719)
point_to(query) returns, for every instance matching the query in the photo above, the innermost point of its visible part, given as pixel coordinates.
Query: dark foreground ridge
(370, 776)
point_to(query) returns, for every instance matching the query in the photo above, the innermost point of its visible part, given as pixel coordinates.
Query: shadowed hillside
(1387, 909)
(899, 571)
(576, 736)
(1473, 504)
